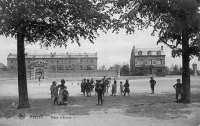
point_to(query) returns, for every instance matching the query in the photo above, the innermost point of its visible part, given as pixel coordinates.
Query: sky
(111, 48)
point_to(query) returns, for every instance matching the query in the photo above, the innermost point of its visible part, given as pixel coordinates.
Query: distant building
(147, 61)
(41, 64)
(2, 67)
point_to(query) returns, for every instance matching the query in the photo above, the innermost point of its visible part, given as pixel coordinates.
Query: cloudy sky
(111, 48)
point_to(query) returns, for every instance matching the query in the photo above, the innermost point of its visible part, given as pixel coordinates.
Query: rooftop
(54, 55)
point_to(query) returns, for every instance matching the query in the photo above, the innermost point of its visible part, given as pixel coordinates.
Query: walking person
(178, 87)
(126, 88)
(152, 84)
(88, 88)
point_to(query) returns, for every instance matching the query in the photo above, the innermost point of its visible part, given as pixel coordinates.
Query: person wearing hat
(121, 88)
(114, 88)
(126, 88)
(99, 89)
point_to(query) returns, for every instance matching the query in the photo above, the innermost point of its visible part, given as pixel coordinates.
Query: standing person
(62, 88)
(121, 88)
(88, 88)
(114, 88)
(95, 88)
(152, 84)
(82, 87)
(126, 88)
(178, 87)
(54, 93)
(99, 89)
(92, 84)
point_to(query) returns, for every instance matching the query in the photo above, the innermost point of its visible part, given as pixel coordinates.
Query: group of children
(87, 86)
(61, 97)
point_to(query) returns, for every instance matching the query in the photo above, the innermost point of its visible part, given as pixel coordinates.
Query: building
(2, 66)
(147, 61)
(42, 64)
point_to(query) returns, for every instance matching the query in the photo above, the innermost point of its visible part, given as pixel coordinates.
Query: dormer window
(140, 53)
(149, 52)
(158, 53)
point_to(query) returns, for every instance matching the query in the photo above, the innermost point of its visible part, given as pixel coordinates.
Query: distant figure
(99, 89)
(121, 88)
(82, 86)
(95, 88)
(62, 88)
(152, 84)
(126, 88)
(40, 75)
(54, 93)
(114, 88)
(178, 87)
(92, 84)
(65, 95)
(88, 88)
(104, 85)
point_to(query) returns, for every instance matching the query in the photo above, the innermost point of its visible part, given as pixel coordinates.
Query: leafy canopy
(52, 22)
(168, 17)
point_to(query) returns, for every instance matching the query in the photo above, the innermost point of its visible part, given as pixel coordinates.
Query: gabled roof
(1, 65)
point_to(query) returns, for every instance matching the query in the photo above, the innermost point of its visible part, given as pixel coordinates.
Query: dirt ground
(140, 108)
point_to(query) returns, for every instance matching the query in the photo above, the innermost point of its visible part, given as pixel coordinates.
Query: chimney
(161, 47)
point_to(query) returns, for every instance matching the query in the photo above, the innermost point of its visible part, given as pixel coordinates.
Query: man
(62, 88)
(152, 84)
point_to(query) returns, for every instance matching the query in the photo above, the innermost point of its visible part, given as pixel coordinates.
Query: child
(178, 87)
(99, 92)
(152, 84)
(62, 88)
(114, 88)
(54, 93)
(121, 87)
(126, 86)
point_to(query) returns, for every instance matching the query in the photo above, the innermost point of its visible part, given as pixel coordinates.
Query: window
(163, 62)
(51, 61)
(154, 62)
(70, 60)
(81, 67)
(28, 61)
(63, 61)
(146, 62)
(158, 53)
(149, 52)
(11, 61)
(136, 62)
(80, 60)
(91, 60)
(159, 62)
(140, 53)
(57, 61)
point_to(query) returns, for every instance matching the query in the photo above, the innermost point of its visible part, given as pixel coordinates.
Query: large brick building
(147, 61)
(41, 64)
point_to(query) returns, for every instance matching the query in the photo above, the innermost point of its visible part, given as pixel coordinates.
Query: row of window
(61, 60)
(149, 53)
(149, 62)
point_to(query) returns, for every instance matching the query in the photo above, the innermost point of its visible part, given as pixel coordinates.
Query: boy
(178, 87)
(121, 87)
(114, 88)
(152, 84)
(126, 88)
(54, 93)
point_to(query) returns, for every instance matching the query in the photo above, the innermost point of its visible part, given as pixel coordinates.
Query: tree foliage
(52, 22)
(125, 70)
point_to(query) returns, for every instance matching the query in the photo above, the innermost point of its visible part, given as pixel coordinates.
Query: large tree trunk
(186, 68)
(22, 82)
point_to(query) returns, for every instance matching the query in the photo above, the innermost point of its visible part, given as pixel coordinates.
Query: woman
(62, 88)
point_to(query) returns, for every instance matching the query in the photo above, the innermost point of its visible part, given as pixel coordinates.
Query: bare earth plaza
(99, 63)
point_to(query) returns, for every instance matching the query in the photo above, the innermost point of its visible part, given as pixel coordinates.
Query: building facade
(147, 61)
(41, 64)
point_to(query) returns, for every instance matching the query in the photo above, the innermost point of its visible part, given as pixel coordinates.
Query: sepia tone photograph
(100, 62)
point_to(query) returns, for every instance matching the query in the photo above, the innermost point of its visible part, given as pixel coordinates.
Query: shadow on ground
(162, 106)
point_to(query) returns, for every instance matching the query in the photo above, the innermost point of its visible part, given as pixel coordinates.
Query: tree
(125, 70)
(103, 67)
(52, 22)
(176, 21)
(115, 67)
